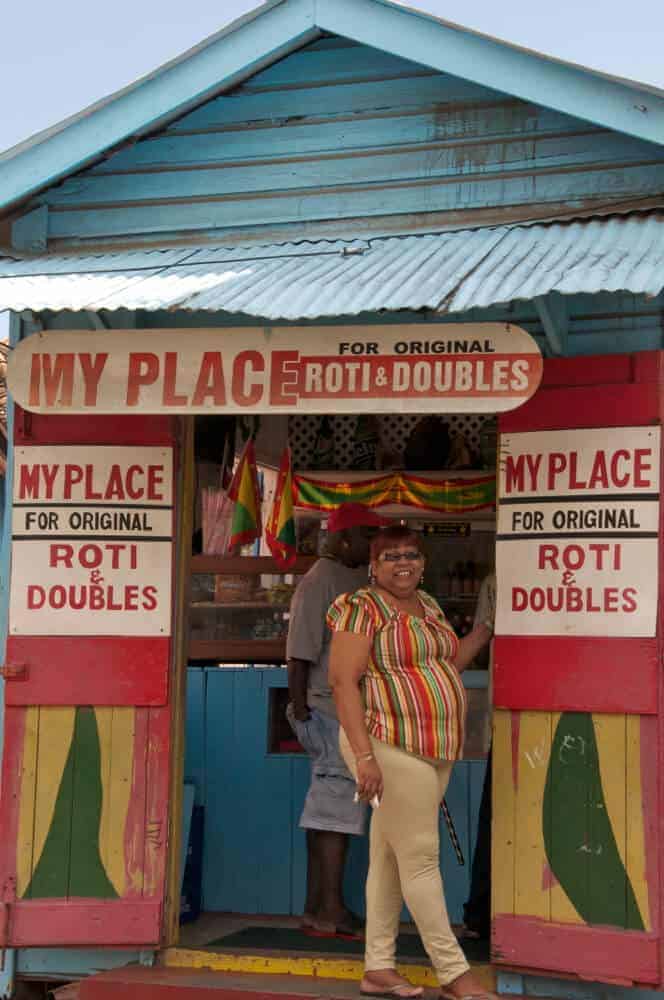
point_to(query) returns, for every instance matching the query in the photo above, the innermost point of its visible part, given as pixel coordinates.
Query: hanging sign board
(578, 519)
(92, 531)
(432, 368)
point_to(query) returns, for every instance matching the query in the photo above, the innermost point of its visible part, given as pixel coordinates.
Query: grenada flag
(244, 492)
(280, 528)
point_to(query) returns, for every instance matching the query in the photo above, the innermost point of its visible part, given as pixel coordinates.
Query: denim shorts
(329, 804)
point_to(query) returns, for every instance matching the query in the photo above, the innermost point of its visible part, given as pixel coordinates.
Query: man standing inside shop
(330, 813)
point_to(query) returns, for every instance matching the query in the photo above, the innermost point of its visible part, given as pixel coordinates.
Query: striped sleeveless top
(413, 693)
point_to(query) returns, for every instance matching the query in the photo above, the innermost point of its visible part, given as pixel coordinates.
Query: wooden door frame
(184, 501)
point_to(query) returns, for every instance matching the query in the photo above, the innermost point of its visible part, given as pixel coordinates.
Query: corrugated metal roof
(447, 272)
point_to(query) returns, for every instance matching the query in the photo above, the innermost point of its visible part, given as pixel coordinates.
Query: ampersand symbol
(96, 577)
(568, 578)
(381, 377)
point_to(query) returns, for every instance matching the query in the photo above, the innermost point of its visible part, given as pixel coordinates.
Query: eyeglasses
(410, 555)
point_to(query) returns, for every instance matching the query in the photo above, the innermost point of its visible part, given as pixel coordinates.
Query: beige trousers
(404, 860)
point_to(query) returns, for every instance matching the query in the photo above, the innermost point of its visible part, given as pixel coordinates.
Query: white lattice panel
(394, 431)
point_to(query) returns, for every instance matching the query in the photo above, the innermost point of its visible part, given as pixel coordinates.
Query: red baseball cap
(354, 515)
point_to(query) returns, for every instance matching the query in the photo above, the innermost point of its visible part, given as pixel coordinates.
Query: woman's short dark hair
(395, 534)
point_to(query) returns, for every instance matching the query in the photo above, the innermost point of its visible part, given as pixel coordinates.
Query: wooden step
(160, 983)
(177, 983)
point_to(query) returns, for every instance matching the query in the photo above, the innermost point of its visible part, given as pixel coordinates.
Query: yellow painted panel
(531, 894)
(562, 909)
(26, 821)
(56, 731)
(116, 739)
(635, 850)
(503, 813)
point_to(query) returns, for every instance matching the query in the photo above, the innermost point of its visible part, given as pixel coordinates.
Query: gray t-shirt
(308, 634)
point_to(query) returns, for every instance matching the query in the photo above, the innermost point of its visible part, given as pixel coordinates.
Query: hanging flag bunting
(244, 492)
(447, 496)
(280, 528)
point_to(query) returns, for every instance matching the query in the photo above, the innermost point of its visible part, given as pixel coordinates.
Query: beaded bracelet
(364, 756)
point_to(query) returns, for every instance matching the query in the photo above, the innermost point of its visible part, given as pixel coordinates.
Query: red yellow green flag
(280, 528)
(244, 492)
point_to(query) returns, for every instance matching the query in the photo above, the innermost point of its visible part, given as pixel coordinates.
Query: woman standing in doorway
(395, 668)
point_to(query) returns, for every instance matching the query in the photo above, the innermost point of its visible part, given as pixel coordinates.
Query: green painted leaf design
(578, 837)
(70, 863)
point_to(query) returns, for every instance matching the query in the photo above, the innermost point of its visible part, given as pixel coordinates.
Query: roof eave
(281, 27)
(216, 65)
(604, 100)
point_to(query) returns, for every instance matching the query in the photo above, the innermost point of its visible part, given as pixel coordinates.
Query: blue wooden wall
(255, 854)
(341, 131)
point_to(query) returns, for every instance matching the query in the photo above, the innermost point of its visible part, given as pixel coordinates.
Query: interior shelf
(238, 650)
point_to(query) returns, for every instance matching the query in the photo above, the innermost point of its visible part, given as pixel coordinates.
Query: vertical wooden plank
(588, 819)
(158, 778)
(651, 813)
(477, 770)
(532, 893)
(636, 818)
(220, 877)
(562, 909)
(355, 879)
(53, 803)
(609, 790)
(104, 718)
(194, 759)
(87, 875)
(27, 798)
(116, 782)
(248, 786)
(300, 771)
(275, 783)
(456, 877)
(134, 840)
(173, 793)
(503, 835)
(569, 811)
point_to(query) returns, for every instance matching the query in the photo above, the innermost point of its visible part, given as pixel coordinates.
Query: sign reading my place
(578, 520)
(483, 367)
(92, 535)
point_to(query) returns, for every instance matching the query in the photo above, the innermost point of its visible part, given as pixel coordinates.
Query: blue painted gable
(338, 132)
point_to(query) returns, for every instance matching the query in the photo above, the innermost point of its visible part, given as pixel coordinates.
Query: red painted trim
(654, 813)
(576, 673)
(46, 428)
(89, 670)
(156, 983)
(39, 922)
(601, 369)
(651, 818)
(586, 406)
(600, 953)
(10, 790)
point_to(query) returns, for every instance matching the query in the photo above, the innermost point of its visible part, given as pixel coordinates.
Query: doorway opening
(245, 774)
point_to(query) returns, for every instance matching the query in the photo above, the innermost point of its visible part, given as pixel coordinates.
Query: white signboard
(432, 368)
(577, 547)
(92, 531)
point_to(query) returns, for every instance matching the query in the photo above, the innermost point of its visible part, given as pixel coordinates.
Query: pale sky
(59, 57)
